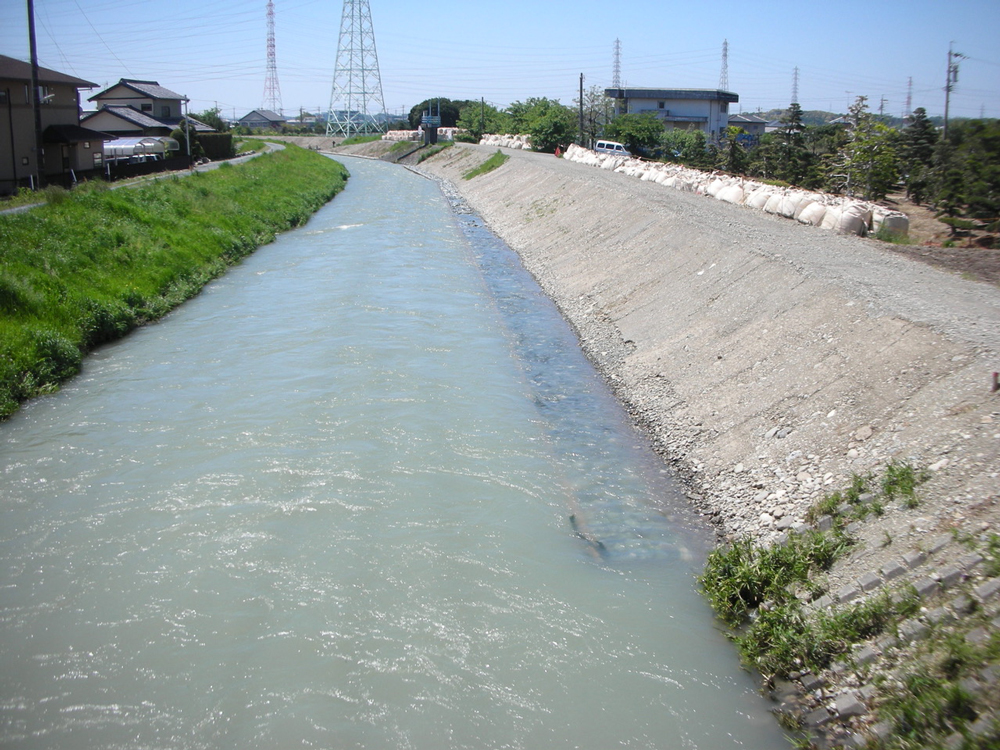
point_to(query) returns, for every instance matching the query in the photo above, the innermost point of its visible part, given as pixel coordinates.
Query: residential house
(689, 109)
(752, 124)
(136, 109)
(68, 150)
(262, 119)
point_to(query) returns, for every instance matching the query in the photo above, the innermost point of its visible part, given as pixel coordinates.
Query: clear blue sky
(214, 51)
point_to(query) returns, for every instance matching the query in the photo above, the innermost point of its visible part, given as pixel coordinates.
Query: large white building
(688, 109)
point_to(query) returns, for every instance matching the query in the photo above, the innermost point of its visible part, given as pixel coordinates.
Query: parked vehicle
(611, 147)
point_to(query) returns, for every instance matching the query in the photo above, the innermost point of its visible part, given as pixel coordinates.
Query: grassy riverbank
(94, 265)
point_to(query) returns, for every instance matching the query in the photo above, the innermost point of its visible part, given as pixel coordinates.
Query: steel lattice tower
(795, 85)
(272, 91)
(357, 83)
(616, 71)
(724, 73)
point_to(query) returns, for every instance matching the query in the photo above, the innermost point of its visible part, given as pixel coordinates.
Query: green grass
(401, 146)
(95, 263)
(355, 139)
(885, 234)
(434, 151)
(744, 575)
(487, 166)
(783, 639)
(900, 481)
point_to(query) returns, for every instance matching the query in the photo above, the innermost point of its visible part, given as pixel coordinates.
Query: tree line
(864, 157)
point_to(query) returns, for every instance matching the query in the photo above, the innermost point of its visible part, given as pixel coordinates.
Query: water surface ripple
(327, 504)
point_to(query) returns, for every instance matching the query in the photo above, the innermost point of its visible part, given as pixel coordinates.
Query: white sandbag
(731, 194)
(789, 205)
(773, 204)
(892, 221)
(855, 219)
(831, 219)
(812, 213)
(758, 198)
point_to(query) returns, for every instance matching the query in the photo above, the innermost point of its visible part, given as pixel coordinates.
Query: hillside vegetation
(93, 265)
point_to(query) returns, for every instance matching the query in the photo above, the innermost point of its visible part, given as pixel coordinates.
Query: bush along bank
(92, 266)
(905, 656)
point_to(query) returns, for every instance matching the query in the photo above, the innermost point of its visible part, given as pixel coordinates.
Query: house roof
(745, 117)
(18, 70)
(152, 89)
(266, 114)
(639, 93)
(129, 114)
(73, 134)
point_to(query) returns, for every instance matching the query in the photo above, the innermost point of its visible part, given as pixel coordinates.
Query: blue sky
(214, 51)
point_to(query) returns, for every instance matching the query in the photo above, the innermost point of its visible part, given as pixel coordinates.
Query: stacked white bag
(836, 212)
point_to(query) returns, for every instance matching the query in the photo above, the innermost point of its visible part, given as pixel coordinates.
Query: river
(363, 492)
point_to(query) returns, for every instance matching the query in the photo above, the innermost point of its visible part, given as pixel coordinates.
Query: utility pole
(36, 98)
(950, 82)
(582, 142)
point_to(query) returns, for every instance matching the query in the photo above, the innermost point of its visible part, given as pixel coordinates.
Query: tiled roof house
(68, 149)
(139, 108)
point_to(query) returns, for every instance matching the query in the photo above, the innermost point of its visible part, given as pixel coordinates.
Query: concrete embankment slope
(770, 361)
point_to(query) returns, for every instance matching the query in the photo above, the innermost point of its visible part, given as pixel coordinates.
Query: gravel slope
(770, 361)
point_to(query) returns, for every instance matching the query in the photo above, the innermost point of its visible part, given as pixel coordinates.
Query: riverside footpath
(773, 365)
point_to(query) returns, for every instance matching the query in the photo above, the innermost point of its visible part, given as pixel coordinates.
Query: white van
(611, 147)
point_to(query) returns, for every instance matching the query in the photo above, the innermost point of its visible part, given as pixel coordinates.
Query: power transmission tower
(909, 98)
(272, 91)
(724, 75)
(616, 72)
(357, 83)
(795, 85)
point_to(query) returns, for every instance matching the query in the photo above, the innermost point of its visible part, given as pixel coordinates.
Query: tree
(733, 156)
(695, 153)
(916, 147)
(675, 142)
(639, 133)
(597, 109)
(480, 118)
(213, 119)
(549, 123)
(448, 110)
(867, 166)
(793, 163)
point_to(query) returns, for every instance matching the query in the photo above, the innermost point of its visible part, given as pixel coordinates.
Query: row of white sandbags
(403, 135)
(444, 134)
(507, 141)
(845, 215)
